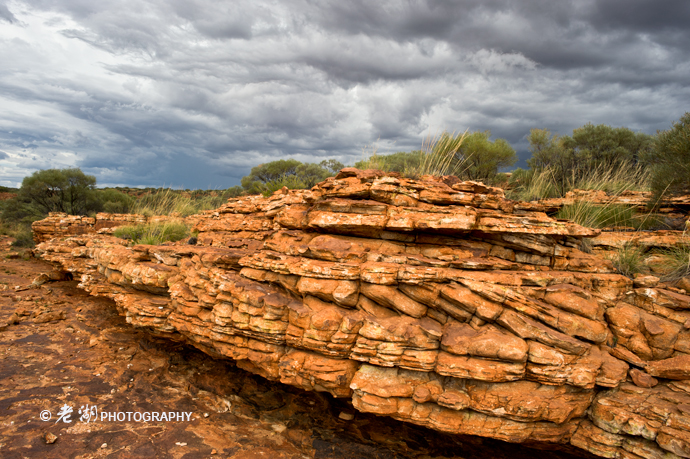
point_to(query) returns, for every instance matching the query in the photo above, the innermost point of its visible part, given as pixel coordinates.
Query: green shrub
(112, 201)
(164, 202)
(59, 190)
(21, 232)
(670, 161)
(530, 185)
(153, 233)
(478, 158)
(593, 156)
(232, 192)
(678, 262)
(400, 162)
(439, 155)
(593, 216)
(544, 183)
(629, 260)
(292, 182)
(468, 156)
(265, 177)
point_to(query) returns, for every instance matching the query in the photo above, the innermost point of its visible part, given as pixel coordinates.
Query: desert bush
(629, 260)
(678, 262)
(439, 155)
(59, 190)
(530, 185)
(265, 177)
(21, 232)
(478, 158)
(232, 192)
(468, 156)
(402, 162)
(670, 161)
(548, 182)
(164, 202)
(112, 201)
(153, 233)
(292, 182)
(593, 216)
(593, 156)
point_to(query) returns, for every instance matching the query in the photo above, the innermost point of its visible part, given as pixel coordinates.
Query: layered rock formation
(637, 199)
(433, 301)
(60, 225)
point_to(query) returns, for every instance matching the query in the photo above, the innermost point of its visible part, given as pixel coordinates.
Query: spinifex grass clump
(153, 233)
(678, 262)
(608, 216)
(438, 155)
(629, 260)
(548, 182)
(593, 216)
(167, 202)
(529, 185)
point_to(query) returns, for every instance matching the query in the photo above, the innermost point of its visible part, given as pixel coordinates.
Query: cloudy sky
(193, 93)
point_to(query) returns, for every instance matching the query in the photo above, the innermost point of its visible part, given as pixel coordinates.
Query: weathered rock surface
(435, 301)
(637, 199)
(59, 225)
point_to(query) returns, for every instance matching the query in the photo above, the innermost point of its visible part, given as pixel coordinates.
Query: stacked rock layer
(432, 301)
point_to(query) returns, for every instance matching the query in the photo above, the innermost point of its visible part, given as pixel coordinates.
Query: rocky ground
(59, 346)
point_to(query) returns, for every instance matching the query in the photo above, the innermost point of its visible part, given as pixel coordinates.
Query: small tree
(396, 162)
(479, 158)
(552, 153)
(591, 151)
(333, 166)
(266, 178)
(59, 190)
(111, 201)
(670, 159)
(608, 147)
(264, 173)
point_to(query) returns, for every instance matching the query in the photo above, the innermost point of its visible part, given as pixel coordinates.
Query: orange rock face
(433, 301)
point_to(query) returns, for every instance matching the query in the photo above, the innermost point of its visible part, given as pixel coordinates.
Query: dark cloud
(6, 14)
(195, 93)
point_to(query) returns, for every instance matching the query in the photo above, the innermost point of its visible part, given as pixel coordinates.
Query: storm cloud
(194, 93)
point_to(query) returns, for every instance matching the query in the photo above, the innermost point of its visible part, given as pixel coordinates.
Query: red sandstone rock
(434, 301)
(642, 379)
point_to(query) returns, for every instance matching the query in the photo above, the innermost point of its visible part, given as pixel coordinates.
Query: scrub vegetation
(594, 157)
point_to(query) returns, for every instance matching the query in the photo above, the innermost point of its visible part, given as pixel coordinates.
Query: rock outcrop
(434, 301)
(59, 224)
(636, 199)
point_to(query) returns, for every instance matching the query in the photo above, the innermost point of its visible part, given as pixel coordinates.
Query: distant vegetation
(468, 156)
(670, 158)
(594, 157)
(270, 177)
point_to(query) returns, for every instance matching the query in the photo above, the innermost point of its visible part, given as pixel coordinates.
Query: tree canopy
(480, 159)
(590, 148)
(670, 160)
(59, 190)
(269, 177)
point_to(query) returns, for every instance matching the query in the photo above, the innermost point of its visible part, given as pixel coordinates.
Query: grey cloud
(6, 14)
(195, 93)
(4, 155)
